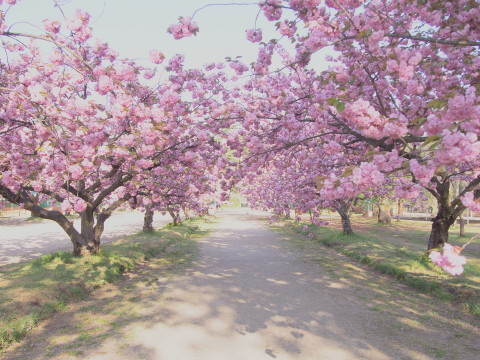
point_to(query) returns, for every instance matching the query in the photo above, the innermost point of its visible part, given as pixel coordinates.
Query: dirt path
(252, 296)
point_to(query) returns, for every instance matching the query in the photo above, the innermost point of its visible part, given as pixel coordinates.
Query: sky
(133, 28)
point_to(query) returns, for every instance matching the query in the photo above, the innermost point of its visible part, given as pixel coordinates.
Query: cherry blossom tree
(404, 83)
(85, 128)
(181, 187)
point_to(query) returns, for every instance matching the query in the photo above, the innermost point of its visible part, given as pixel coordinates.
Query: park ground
(250, 292)
(24, 238)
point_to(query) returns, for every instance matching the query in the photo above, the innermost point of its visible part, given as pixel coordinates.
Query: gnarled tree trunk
(439, 233)
(148, 219)
(175, 216)
(343, 208)
(87, 240)
(446, 215)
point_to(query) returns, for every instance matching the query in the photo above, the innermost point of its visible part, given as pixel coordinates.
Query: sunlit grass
(32, 291)
(399, 251)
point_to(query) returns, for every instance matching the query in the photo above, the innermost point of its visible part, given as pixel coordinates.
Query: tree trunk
(446, 215)
(399, 209)
(439, 234)
(83, 246)
(346, 225)
(461, 218)
(148, 219)
(384, 215)
(344, 208)
(175, 216)
(87, 240)
(462, 225)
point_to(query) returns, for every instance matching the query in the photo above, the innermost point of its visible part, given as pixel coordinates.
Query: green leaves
(364, 33)
(431, 139)
(419, 121)
(436, 104)
(339, 105)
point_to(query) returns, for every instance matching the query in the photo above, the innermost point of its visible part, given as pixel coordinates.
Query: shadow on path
(249, 297)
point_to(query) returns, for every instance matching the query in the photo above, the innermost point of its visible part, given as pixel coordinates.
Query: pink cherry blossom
(254, 35)
(470, 202)
(271, 9)
(449, 259)
(66, 206)
(79, 205)
(105, 84)
(76, 171)
(185, 28)
(156, 57)
(52, 26)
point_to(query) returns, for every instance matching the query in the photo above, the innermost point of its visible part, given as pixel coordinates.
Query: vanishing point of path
(251, 296)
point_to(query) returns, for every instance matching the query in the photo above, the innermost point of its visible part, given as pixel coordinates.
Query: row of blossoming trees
(397, 111)
(89, 130)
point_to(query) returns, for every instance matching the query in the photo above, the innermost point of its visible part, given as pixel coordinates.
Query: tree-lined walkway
(253, 296)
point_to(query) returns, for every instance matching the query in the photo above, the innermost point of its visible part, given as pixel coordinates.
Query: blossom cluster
(361, 115)
(185, 28)
(254, 35)
(470, 202)
(449, 259)
(271, 9)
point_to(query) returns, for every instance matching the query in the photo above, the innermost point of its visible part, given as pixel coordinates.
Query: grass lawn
(399, 250)
(31, 291)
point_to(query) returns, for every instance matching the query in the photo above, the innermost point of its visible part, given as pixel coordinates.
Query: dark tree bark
(148, 219)
(344, 209)
(439, 233)
(448, 212)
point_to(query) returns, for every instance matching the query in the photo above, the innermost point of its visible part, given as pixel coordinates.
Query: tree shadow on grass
(252, 296)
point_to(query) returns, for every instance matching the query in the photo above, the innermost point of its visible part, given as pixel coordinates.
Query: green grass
(400, 253)
(32, 291)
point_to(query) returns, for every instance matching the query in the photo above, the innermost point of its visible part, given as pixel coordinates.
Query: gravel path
(24, 240)
(250, 296)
